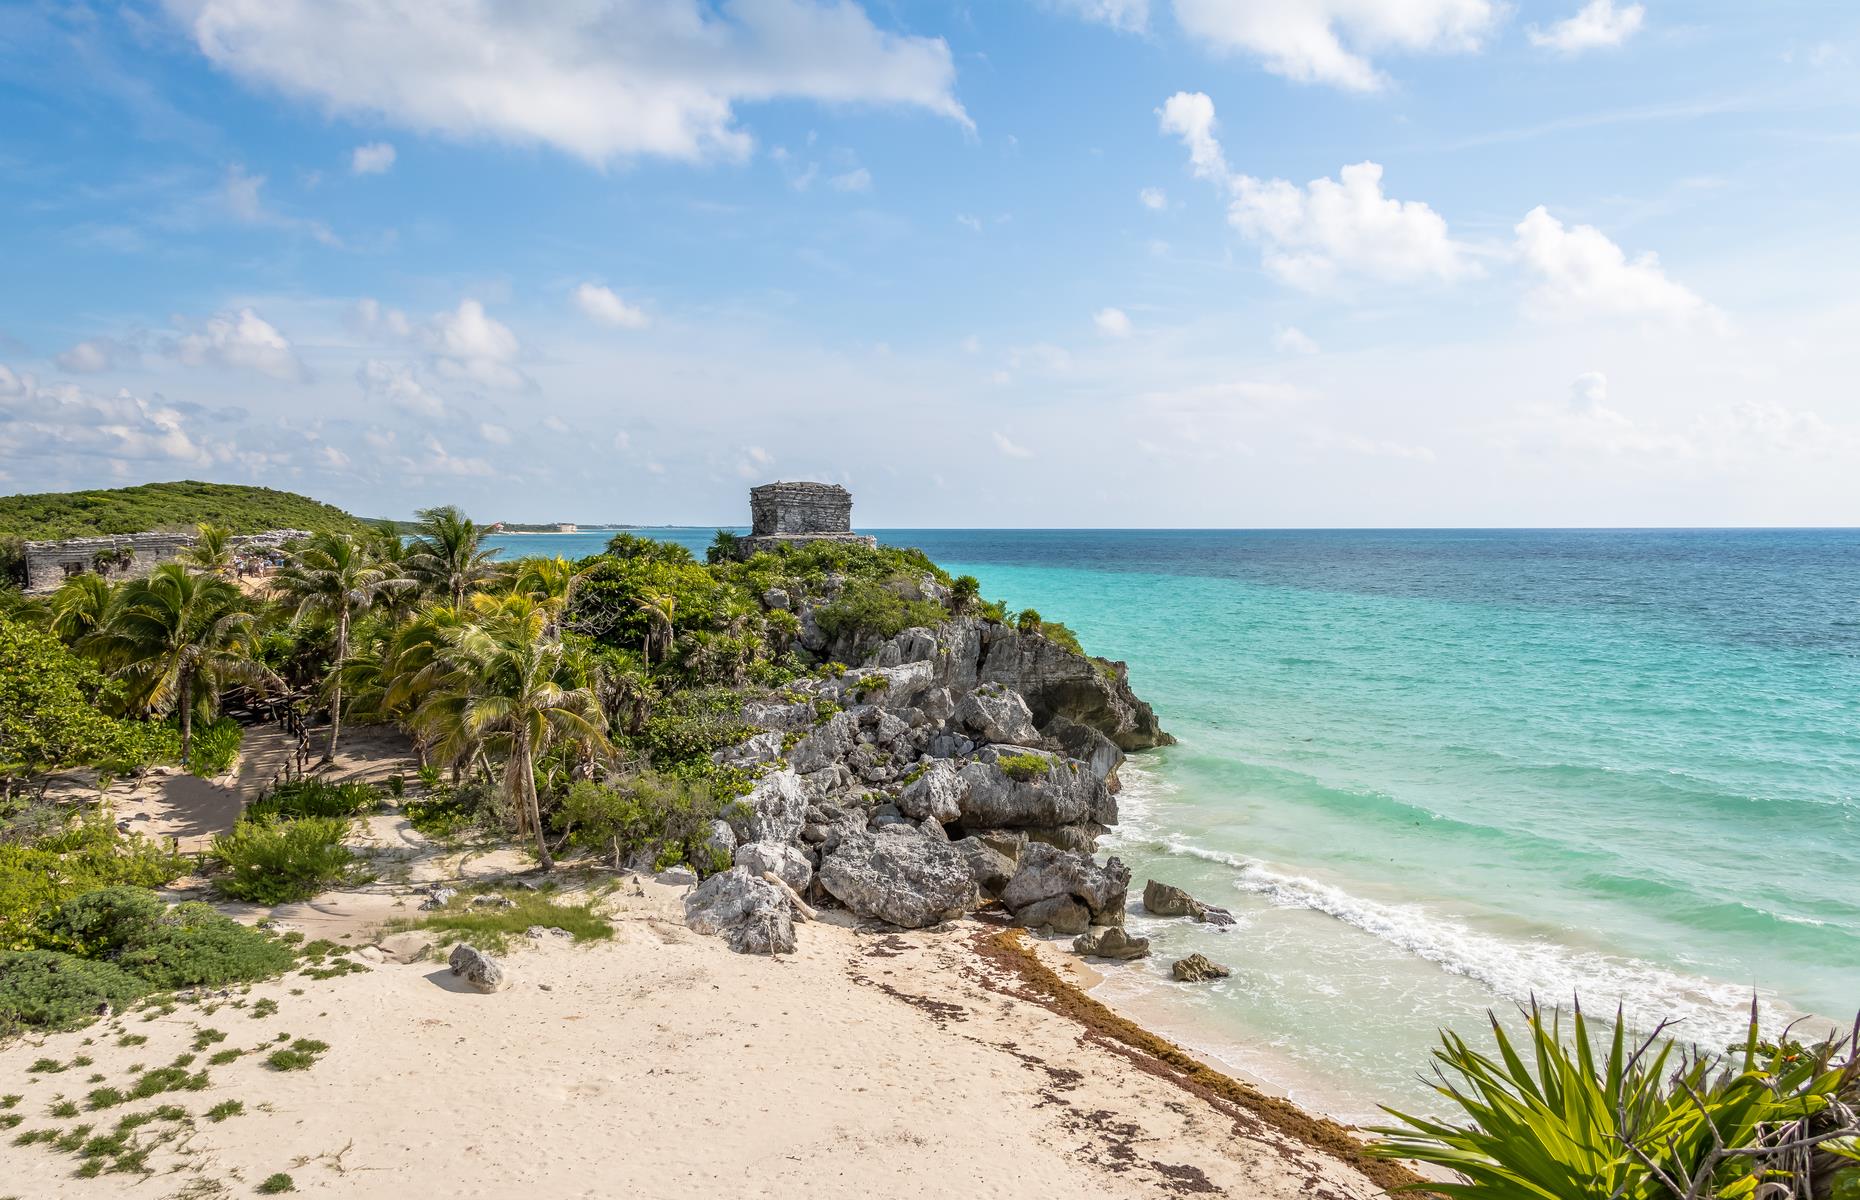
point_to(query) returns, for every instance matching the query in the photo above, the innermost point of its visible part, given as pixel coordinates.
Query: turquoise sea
(1436, 772)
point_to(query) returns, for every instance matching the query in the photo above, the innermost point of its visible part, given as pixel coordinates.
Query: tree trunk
(187, 714)
(535, 809)
(335, 700)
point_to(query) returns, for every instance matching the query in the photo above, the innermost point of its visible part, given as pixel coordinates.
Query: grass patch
(221, 1057)
(264, 1008)
(131, 1039)
(207, 1037)
(340, 967)
(65, 1108)
(11, 1101)
(276, 1184)
(224, 1109)
(104, 1097)
(45, 1066)
(493, 928)
(301, 1055)
(10, 1120)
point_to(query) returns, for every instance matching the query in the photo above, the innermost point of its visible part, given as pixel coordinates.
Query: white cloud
(1289, 339)
(1329, 41)
(856, 180)
(374, 318)
(1129, 16)
(1598, 25)
(602, 305)
(1154, 199)
(332, 458)
(65, 425)
(241, 339)
(600, 79)
(497, 435)
(1190, 116)
(375, 158)
(1329, 230)
(1582, 272)
(243, 195)
(759, 456)
(468, 343)
(1332, 228)
(554, 424)
(622, 441)
(1112, 322)
(396, 384)
(1009, 447)
(973, 224)
(87, 358)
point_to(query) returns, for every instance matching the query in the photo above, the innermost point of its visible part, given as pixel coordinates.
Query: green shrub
(272, 862)
(214, 747)
(80, 854)
(276, 1184)
(224, 1109)
(195, 946)
(46, 989)
(1023, 767)
(314, 798)
(188, 945)
(300, 1056)
(645, 816)
(449, 812)
(869, 609)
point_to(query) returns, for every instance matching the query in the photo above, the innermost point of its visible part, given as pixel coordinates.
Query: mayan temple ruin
(794, 514)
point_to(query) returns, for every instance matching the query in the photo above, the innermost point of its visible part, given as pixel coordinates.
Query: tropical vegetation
(1646, 1121)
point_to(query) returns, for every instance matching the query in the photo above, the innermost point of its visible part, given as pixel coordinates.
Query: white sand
(661, 1064)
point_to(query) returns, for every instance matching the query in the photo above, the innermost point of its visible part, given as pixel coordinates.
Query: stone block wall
(122, 556)
(799, 508)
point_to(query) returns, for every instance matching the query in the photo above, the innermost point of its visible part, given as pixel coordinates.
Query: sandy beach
(661, 1064)
(870, 1062)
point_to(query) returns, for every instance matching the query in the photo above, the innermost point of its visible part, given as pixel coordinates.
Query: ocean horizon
(1435, 772)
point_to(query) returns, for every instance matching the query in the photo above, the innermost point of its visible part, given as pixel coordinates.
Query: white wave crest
(1516, 969)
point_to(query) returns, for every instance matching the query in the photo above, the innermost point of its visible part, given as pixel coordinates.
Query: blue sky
(1024, 262)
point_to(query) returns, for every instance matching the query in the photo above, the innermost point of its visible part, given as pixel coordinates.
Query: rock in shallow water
(1110, 942)
(1198, 968)
(1163, 900)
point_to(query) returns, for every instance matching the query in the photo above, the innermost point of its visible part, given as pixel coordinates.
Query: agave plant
(1567, 1126)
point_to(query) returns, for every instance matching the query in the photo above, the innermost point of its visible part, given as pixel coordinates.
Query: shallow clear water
(1434, 772)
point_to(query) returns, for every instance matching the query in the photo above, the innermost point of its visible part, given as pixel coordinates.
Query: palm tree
(515, 692)
(551, 583)
(80, 606)
(211, 553)
(446, 557)
(661, 609)
(178, 640)
(332, 575)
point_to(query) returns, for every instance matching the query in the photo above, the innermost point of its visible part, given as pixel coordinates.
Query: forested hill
(179, 506)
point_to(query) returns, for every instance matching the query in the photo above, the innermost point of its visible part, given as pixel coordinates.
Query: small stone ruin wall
(123, 556)
(790, 508)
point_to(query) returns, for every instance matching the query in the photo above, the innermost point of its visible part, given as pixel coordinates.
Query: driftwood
(800, 906)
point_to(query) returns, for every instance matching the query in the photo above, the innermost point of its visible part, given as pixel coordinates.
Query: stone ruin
(794, 514)
(125, 555)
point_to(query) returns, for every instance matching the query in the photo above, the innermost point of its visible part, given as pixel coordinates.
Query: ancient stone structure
(793, 514)
(124, 555)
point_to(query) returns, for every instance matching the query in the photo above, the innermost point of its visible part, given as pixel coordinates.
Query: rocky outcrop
(1110, 943)
(789, 863)
(478, 969)
(1163, 900)
(967, 761)
(1197, 968)
(1048, 882)
(906, 879)
(753, 914)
